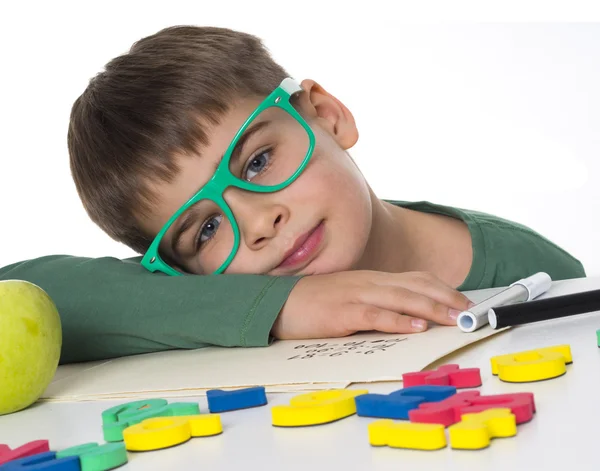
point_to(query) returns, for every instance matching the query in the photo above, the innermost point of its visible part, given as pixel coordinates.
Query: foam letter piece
(532, 365)
(449, 411)
(163, 432)
(93, 457)
(522, 405)
(407, 435)
(29, 449)
(43, 462)
(179, 409)
(446, 412)
(316, 408)
(223, 401)
(157, 433)
(118, 418)
(205, 425)
(397, 404)
(474, 431)
(445, 375)
(131, 409)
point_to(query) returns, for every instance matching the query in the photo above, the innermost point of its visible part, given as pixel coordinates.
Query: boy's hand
(340, 304)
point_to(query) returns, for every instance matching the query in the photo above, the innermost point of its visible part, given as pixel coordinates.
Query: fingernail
(453, 314)
(418, 324)
(471, 304)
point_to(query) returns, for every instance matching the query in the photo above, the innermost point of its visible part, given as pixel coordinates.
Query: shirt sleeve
(505, 251)
(111, 307)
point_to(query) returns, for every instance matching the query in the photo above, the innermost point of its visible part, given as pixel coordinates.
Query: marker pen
(525, 289)
(545, 309)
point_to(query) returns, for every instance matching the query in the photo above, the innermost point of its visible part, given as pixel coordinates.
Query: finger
(405, 301)
(429, 285)
(359, 317)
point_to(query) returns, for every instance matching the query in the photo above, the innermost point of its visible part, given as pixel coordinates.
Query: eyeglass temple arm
(290, 86)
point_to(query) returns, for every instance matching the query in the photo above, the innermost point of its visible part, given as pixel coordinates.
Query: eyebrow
(237, 150)
(188, 219)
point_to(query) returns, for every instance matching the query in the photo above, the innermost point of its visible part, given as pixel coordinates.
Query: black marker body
(545, 309)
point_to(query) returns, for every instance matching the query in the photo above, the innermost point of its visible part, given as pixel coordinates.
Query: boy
(198, 151)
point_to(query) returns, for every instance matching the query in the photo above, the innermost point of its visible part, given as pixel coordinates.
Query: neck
(391, 246)
(402, 240)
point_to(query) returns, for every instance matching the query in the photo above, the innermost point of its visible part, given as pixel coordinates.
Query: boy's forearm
(111, 307)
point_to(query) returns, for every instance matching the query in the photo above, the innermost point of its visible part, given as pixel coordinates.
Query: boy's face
(329, 202)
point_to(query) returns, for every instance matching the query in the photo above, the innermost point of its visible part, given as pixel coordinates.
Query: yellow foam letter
(316, 408)
(204, 425)
(157, 433)
(407, 435)
(474, 431)
(532, 365)
(163, 432)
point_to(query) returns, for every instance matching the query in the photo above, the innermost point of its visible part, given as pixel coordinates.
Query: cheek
(335, 189)
(332, 173)
(343, 185)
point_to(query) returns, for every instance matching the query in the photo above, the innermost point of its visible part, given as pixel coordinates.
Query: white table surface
(561, 436)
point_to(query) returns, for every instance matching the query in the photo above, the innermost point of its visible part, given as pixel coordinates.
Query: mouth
(304, 248)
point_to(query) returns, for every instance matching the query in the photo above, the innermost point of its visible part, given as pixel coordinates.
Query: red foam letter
(521, 405)
(445, 375)
(449, 411)
(446, 412)
(29, 449)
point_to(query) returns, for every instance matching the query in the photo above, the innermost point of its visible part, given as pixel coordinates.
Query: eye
(257, 164)
(209, 229)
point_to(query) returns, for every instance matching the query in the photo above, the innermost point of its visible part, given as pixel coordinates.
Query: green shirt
(111, 307)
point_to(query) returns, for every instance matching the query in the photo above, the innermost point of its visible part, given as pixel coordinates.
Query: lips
(304, 247)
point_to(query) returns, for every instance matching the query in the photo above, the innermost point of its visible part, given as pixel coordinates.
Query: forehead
(195, 169)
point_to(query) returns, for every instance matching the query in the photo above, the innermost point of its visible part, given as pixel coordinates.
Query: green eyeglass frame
(223, 179)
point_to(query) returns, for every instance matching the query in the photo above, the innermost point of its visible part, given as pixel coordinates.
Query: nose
(258, 216)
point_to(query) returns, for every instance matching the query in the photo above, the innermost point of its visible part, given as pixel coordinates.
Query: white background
(456, 103)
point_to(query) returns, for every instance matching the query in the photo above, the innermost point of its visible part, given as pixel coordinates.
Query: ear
(329, 113)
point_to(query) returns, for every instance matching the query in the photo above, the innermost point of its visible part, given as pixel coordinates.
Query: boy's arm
(111, 307)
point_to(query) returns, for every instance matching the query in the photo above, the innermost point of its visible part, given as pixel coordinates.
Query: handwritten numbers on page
(337, 349)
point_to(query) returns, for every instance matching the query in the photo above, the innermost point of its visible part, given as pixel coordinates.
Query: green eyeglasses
(267, 154)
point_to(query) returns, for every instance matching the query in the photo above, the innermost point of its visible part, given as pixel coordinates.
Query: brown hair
(148, 104)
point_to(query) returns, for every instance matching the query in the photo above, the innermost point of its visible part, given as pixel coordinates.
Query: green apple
(30, 343)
